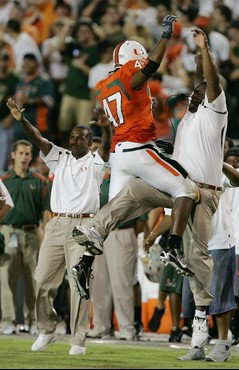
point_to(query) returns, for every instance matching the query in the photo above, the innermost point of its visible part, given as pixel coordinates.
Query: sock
(174, 241)
(200, 314)
(88, 259)
(137, 313)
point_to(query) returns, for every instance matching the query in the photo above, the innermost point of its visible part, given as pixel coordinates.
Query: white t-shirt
(200, 140)
(76, 184)
(57, 68)
(98, 72)
(220, 46)
(24, 45)
(9, 201)
(222, 227)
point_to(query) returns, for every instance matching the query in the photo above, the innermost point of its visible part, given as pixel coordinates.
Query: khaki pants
(58, 252)
(74, 112)
(138, 197)
(24, 258)
(114, 279)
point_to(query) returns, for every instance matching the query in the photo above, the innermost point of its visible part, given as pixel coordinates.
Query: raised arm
(32, 132)
(155, 56)
(209, 68)
(231, 174)
(104, 123)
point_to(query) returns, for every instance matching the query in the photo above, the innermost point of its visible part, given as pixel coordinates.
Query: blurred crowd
(53, 52)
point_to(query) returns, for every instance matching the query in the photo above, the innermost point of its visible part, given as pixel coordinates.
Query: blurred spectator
(56, 64)
(221, 19)
(21, 43)
(163, 8)
(109, 27)
(5, 9)
(97, 73)
(29, 193)
(93, 9)
(35, 92)
(159, 107)
(219, 44)
(145, 15)
(227, 145)
(18, 13)
(8, 83)
(83, 54)
(231, 5)
(42, 14)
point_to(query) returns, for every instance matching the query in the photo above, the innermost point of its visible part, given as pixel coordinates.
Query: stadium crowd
(52, 55)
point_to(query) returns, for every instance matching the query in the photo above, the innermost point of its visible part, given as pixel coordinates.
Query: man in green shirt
(82, 53)
(30, 196)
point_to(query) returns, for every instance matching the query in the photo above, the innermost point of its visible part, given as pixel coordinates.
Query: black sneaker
(81, 273)
(155, 320)
(139, 329)
(175, 335)
(175, 258)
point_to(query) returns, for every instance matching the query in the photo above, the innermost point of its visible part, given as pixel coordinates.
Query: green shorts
(172, 282)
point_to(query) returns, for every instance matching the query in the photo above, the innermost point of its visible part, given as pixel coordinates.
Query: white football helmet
(153, 268)
(128, 50)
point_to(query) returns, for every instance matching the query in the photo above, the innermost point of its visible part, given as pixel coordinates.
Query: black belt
(29, 227)
(207, 186)
(74, 215)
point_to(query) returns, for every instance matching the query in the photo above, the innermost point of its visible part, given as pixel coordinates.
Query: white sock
(200, 314)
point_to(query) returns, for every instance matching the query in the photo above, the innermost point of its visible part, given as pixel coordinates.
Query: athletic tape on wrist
(150, 68)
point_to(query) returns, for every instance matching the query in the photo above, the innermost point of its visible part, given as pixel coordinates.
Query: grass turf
(16, 354)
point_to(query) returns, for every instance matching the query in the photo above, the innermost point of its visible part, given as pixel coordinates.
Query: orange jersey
(128, 110)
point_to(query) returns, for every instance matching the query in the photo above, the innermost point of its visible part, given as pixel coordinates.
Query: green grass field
(16, 354)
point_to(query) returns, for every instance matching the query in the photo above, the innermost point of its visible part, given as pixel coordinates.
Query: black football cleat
(82, 274)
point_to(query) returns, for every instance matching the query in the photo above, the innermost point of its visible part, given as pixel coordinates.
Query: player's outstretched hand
(167, 26)
(103, 120)
(199, 37)
(16, 112)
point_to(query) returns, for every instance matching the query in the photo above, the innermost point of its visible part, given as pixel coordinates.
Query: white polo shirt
(9, 201)
(200, 140)
(222, 227)
(76, 184)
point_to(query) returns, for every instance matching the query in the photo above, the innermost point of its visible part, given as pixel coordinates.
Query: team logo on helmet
(129, 50)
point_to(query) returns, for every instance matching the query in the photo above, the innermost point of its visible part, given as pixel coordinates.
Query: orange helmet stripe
(116, 54)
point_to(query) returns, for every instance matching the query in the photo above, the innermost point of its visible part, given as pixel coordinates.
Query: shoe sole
(211, 359)
(82, 239)
(46, 346)
(191, 359)
(178, 269)
(79, 289)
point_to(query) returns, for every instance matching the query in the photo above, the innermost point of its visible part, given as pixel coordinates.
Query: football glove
(167, 26)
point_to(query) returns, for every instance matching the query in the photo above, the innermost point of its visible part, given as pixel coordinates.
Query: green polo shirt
(30, 196)
(77, 80)
(104, 195)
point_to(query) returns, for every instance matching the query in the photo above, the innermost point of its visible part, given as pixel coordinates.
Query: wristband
(150, 68)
